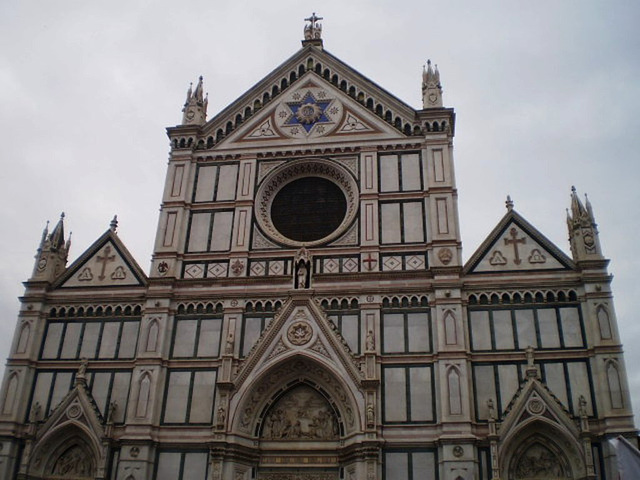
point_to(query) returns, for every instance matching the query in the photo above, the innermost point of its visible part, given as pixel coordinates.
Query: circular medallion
(307, 202)
(535, 406)
(458, 451)
(74, 411)
(299, 333)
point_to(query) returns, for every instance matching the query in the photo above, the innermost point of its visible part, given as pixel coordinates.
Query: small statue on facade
(229, 343)
(113, 406)
(371, 416)
(302, 269)
(222, 417)
(370, 342)
(492, 410)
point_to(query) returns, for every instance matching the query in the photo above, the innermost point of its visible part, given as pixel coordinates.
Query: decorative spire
(51, 256)
(195, 107)
(509, 203)
(313, 31)
(114, 224)
(431, 87)
(583, 230)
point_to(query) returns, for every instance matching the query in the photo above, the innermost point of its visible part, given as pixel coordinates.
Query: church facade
(307, 314)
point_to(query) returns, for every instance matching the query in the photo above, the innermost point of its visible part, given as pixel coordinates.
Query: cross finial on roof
(509, 203)
(114, 223)
(313, 30)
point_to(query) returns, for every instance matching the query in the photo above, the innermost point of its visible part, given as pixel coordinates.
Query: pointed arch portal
(299, 415)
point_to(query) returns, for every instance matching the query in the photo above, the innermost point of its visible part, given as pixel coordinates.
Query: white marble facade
(307, 315)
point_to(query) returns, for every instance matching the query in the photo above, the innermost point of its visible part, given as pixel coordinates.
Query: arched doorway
(302, 419)
(539, 458)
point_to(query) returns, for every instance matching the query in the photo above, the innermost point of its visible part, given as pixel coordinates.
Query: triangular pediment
(311, 110)
(535, 402)
(516, 246)
(362, 106)
(300, 328)
(106, 263)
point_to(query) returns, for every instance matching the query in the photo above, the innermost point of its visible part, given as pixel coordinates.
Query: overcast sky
(546, 96)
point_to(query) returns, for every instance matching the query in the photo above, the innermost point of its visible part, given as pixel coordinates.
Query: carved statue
(222, 416)
(82, 369)
(492, 410)
(229, 343)
(302, 275)
(370, 342)
(313, 30)
(371, 416)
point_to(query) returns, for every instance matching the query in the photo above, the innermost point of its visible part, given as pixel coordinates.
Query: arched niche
(68, 452)
(251, 408)
(540, 449)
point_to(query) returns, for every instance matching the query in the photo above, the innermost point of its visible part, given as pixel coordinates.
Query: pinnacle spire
(195, 107)
(583, 231)
(431, 87)
(51, 257)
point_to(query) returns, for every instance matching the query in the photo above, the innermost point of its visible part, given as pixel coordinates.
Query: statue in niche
(302, 269)
(301, 414)
(370, 342)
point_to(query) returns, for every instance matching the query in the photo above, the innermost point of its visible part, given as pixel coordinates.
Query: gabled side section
(106, 263)
(71, 443)
(515, 245)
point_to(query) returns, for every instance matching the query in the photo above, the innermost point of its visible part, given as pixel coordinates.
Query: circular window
(308, 209)
(306, 202)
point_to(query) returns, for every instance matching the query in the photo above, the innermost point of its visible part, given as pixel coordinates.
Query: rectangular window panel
(579, 381)
(526, 329)
(508, 379)
(571, 331)
(503, 330)
(120, 394)
(109, 341)
(227, 182)
(549, 337)
(556, 381)
(100, 389)
(42, 389)
(199, 232)
(393, 333)
(168, 466)
(396, 466)
(195, 466)
(90, 340)
(221, 231)
(128, 340)
(177, 397)
(411, 172)
(480, 330)
(252, 329)
(350, 330)
(185, 338)
(71, 340)
(421, 395)
(209, 341)
(390, 223)
(418, 332)
(395, 400)
(413, 222)
(206, 183)
(52, 342)
(389, 181)
(61, 387)
(424, 465)
(202, 403)
(484, 383)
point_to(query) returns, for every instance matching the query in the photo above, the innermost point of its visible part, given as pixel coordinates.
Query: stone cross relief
(104, 260)
(514, 240)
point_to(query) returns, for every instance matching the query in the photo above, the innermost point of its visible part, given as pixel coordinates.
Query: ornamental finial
(313, 30)
(509, 203)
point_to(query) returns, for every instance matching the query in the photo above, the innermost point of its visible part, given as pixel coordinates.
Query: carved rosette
(299, 333)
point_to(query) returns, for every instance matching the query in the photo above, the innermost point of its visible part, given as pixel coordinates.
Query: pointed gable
(301, 328)
(311, 110)
(384, 112)
(106, 263)
(515, 245)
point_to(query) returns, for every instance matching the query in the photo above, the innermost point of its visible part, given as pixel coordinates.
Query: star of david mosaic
(308, 112)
